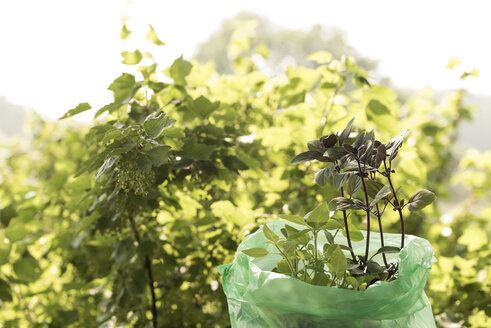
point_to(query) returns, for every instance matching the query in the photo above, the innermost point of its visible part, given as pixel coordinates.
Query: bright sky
(57, 53)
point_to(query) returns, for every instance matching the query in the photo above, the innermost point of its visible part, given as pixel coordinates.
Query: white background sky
(56, 54)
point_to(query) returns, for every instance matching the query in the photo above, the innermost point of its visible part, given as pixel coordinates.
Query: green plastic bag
(258, 297)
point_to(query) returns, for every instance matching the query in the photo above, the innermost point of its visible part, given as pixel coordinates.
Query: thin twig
(148, 268)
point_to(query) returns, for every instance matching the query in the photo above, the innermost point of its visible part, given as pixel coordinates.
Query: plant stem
(381, 234)
(315, 246)
(396, 203)
(347, 230)
(148, 268)
(294, 274)
(367, 204)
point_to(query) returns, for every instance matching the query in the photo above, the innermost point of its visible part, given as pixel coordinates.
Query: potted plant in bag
(314, 270)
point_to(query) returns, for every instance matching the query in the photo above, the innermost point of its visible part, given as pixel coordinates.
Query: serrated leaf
(420, 200)
(155, 124)
(79, 109)
(306, 156)
(159, 155)
(132, 58)
(255, 252)
(197, 151)
(152, 36)
(269, 234)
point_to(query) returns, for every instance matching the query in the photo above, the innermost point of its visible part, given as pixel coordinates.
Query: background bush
(175, 173)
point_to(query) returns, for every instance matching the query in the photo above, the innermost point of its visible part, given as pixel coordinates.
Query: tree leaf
(420, 200)
(132, 58)
(159, 155)
(382, 193)
(306, 156)
(125, 33)
(152, 36)
(5, 292)
(255, 252)
(155, 124)
(179, 70)
(197, 151)
(79, 109)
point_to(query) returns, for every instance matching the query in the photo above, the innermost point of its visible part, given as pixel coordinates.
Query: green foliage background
(174, 173)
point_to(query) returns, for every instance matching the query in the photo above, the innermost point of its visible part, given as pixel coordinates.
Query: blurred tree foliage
(123, 222)
(274, 46)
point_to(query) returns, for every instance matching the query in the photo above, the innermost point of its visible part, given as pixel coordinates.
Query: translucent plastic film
(258, 297)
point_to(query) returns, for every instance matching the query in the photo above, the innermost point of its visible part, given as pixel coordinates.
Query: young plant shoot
(361, 169)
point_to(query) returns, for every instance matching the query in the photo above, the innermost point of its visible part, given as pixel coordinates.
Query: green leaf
(375, 109)
(123, 88)
(79, 109)
(306, 156)
(319, 216)
(179, 70)
(256, 252)
(453, 62)
(373, 187)
(27, 269)
(155, 124)
(131, 58)
(420, 200)
(322, 177)
(294, 219)
(202, 107)
(338, 179)
(159, 155)
(316, 145)
(342, 204)
(339, 262)
(5, 292)
(387, 249)
(395, 144)
(333, 225)
(474, 73)
(125, 33)
(382, 193)
(336, 152)
(346, 132)
(269, 234)
(233, 163)
(196, 151)
(152, 36)
(374, 267)
(354, 184)
(108, 163)
(320, 57)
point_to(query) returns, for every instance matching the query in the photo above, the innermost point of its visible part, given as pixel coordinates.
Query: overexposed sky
(55, 54)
